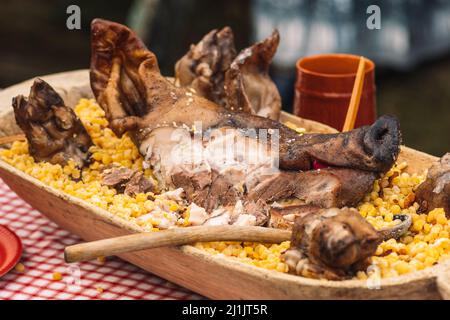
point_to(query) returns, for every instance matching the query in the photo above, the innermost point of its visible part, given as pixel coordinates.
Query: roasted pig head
(434, 192)
(331, 243)
(54, 132)
(203, 67)
(186, 138)
(248, 85)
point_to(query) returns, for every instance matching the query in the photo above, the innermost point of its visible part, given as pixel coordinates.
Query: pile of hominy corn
(426, 243)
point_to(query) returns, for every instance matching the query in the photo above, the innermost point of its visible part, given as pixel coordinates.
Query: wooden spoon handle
(172, 237)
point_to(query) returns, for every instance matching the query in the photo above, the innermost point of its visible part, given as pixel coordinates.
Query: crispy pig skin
(248, 85)
(54, 132)
(434, 192)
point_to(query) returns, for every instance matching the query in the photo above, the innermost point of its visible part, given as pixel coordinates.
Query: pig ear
(248, 85)
(125, 76)
(116, 79)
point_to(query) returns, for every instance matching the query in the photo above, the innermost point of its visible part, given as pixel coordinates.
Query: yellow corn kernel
(429, 261)
(378, 202)
(426, 228)
(56, 276)
(395, 209)
(101, 259)
(402, 267)
(418, 225)
(441, 219)
(141, 197)
(444, 234)
(20, 267)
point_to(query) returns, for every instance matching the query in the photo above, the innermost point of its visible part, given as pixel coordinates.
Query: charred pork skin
(164, 121)
(434, 192)
(54, 132)
(203, 67)
(248, 85)
(331, 244)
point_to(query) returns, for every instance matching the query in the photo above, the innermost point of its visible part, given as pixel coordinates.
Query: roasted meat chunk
(203, 67)
(331, 244)
(54, 132)
(127, 181)
(434, 192)
(248, 85)
(331, 187)
(218, 156)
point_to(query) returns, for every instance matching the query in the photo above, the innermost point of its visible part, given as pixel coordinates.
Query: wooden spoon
(172, 237)
(355, 99)
(181, 236)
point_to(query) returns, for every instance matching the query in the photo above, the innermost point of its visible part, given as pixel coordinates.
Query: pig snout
(382, 141)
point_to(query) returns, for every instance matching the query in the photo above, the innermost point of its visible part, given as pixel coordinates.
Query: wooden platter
(212, 276)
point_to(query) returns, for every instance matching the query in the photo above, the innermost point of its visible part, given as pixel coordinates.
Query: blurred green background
(35, 41)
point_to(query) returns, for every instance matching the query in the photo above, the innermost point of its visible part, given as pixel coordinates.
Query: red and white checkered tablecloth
(44, 242)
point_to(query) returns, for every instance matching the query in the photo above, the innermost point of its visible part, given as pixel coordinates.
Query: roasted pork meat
(127, 181)
(331, 244)
(434, 192)
(54, 132)
(217, 156)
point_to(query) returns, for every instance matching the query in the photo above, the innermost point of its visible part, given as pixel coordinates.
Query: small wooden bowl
(210, 275)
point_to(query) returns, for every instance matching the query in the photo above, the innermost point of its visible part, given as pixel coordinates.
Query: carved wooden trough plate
(210, 275)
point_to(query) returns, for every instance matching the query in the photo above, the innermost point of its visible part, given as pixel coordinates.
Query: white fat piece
(220, 216)
(197, 215)
(219, 220)
(245, 220)
(175, 195)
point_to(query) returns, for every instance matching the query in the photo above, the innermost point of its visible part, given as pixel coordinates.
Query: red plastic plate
(10, 250)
